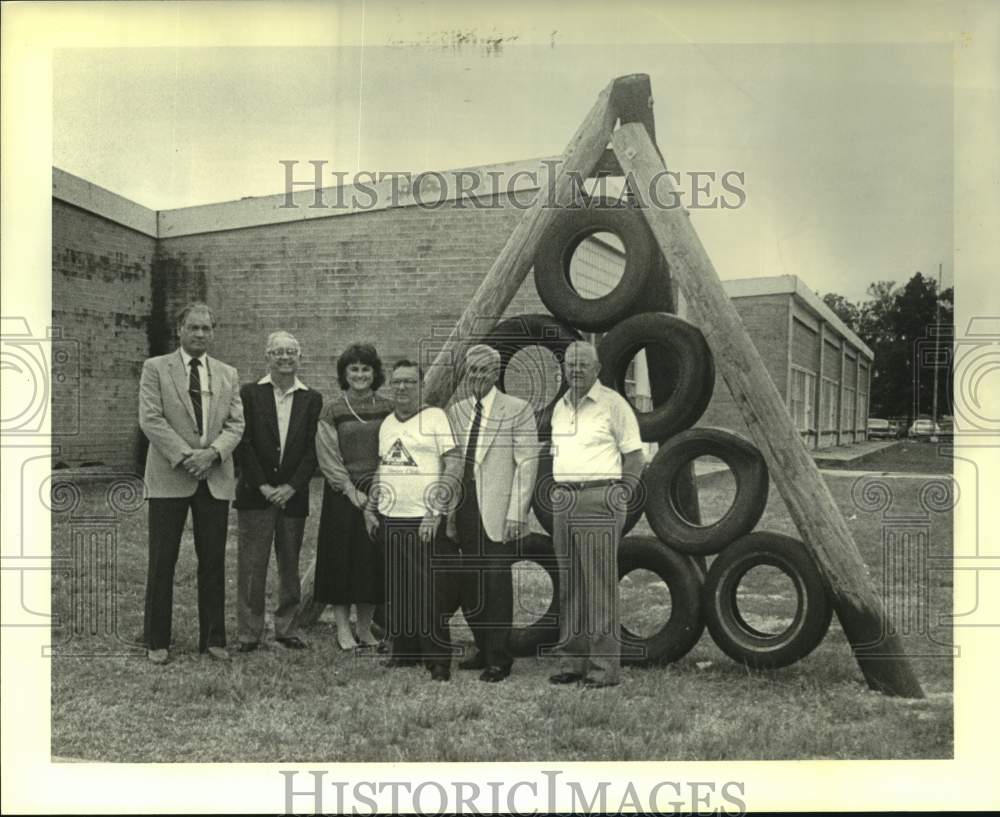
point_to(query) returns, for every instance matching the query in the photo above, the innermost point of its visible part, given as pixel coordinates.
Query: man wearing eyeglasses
(416, 481)
(191, 412)
(276, 459)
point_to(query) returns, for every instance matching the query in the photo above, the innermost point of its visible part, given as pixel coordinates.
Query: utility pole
(937, 342)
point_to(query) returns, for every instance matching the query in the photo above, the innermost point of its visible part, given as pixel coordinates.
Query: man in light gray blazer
(190, 410)
(497, 434)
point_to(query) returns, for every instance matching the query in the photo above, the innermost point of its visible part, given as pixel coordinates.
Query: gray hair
(582, 344)
(272, 340)
(195, 306)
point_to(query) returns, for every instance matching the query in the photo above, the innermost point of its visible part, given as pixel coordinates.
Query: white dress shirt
(283, 405)
(205, 376)
(487, 401)
(589, 439)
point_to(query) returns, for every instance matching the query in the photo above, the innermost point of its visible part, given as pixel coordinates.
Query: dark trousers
(485, 585)
(166, 524)
(419, 597)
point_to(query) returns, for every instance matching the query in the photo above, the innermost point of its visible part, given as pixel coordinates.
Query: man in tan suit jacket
(190, 410)
(496, 433)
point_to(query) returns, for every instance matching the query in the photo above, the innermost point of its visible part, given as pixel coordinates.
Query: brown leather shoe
(158, 656)
(218, 653)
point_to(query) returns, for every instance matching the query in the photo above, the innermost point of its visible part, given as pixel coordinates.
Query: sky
(846, 149)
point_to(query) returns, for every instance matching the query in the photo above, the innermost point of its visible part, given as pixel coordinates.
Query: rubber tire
(519, 332)
(684, 579)
(694, 377)
(752, 483)
(730, 631)
(670, 643)
(544, 481)
(552, 263)
(525, 641)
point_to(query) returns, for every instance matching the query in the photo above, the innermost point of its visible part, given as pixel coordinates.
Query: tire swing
(693, 369)
(662, 511)
(729, 628)
(525, 641)
(513, 334)
(681, 632)
(567, 232)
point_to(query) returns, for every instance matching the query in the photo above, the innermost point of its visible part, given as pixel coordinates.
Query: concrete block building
(370, 264)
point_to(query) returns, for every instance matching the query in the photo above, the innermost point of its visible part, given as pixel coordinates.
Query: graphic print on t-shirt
(398, 455)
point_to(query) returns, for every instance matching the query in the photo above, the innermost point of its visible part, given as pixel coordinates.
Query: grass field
(110, 704)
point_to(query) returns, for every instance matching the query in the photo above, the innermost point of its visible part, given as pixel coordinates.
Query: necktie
(194, 389)
(470, 449)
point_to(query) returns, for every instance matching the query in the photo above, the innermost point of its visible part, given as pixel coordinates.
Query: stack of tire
(677, 553)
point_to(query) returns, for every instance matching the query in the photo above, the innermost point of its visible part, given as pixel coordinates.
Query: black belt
(590, 483)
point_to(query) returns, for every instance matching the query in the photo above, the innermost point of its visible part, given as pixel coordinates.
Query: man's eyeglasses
(283, 352)
(405, 382)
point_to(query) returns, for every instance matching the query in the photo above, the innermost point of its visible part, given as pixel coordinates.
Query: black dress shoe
(249, 646)
(292, 642)
(475, 662)
(565, 678)
(439, 673)
(593, 683)
(493, 674)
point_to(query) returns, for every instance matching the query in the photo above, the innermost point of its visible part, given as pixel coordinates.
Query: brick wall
(101, 303)
(766, 320)
(391, 277)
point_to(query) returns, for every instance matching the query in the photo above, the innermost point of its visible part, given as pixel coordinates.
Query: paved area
(846, 454)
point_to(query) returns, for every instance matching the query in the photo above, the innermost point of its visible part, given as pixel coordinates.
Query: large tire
(748, 468)
(525, 641)
(670, 643)
(693, 369)
(552, 263)
(729, 629)
(513, 334)
(684, 580)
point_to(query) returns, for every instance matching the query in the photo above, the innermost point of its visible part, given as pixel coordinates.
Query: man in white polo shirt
(597, 460)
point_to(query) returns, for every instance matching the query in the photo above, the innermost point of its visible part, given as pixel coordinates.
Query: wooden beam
(515, 259)
(877, 648)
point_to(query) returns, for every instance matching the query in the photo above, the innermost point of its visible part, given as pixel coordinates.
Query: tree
(843, 309)
(900, 325)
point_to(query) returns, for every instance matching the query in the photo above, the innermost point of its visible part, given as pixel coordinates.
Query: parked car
(924, 428)
(879, 429)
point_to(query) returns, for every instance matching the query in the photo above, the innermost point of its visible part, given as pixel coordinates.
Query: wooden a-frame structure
(628, 101)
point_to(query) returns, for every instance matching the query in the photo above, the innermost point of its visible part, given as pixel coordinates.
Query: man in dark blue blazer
(276, 460)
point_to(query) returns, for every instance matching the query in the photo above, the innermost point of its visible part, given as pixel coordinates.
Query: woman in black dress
(349, 565)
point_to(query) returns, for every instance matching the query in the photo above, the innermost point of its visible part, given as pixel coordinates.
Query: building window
(802, 398)
(848, 415)
(828, 410)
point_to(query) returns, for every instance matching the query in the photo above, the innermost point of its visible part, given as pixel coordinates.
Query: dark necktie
(470, 449)
(194, 389)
